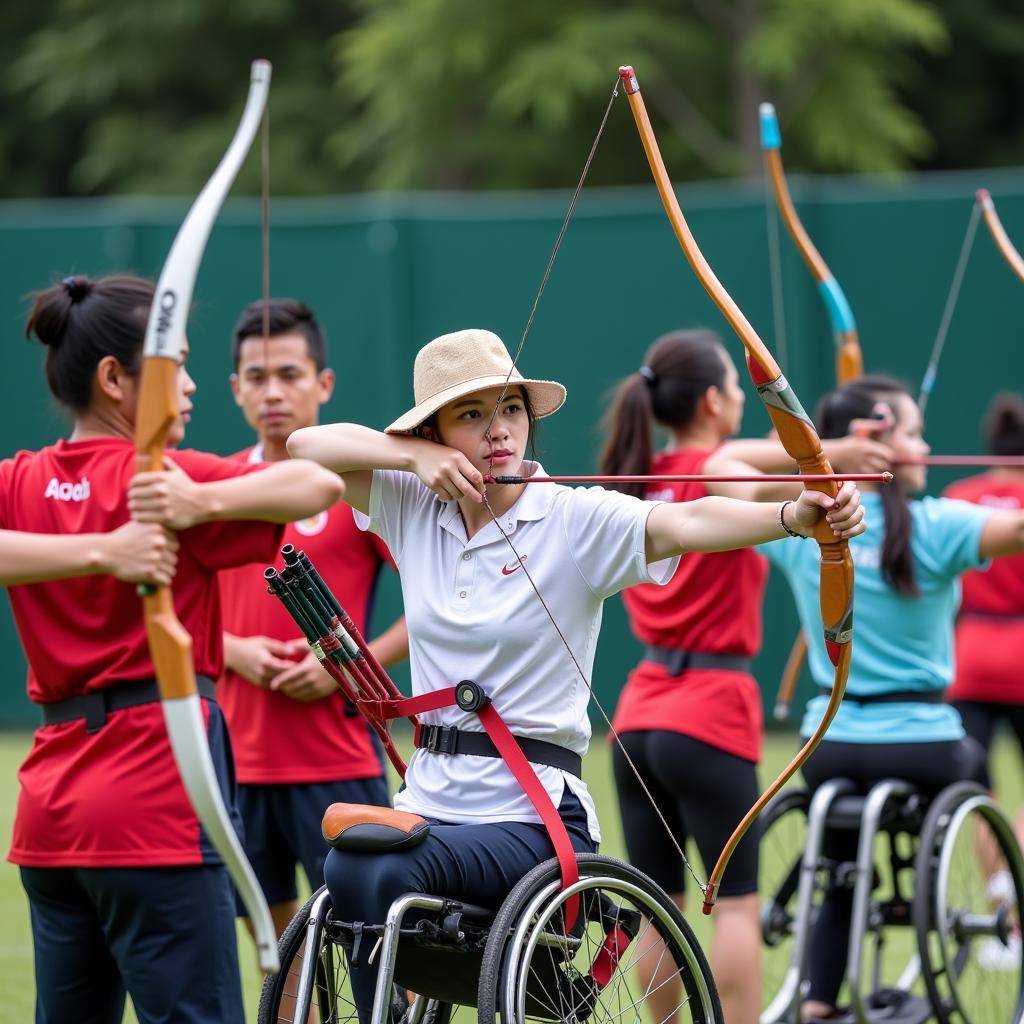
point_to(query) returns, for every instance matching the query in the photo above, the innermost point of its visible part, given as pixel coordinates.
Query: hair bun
(77, 287)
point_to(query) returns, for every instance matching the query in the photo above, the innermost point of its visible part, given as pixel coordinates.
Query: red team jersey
(111, 798)
(278, 739)
(712, 604)
(990, 628)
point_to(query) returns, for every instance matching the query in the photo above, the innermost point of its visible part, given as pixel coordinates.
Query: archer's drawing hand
(448, 473)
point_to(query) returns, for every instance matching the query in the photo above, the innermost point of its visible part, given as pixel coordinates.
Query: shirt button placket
(463, 576)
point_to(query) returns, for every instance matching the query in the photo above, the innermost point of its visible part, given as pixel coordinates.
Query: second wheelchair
(937, 889)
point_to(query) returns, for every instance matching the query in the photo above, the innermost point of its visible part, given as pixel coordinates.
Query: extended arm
(847, 454)
(354, 451)
(1003, 534)
(724, 524)
(135, 552)
(282, 492)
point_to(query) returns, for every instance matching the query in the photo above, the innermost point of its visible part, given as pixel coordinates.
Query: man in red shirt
(298, 746)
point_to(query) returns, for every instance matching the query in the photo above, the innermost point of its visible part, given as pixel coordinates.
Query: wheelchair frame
(869, 918)
(530, 921)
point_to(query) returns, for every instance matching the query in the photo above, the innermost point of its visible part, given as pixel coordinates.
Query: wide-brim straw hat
(458, 364)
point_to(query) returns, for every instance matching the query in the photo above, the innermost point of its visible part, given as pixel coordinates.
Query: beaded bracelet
(782, 520)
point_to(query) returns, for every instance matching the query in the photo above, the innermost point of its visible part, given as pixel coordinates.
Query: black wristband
(782, 520)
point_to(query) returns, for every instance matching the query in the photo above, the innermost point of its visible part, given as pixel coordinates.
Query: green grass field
(16, 983)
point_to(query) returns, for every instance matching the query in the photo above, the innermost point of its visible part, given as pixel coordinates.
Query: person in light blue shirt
(893, 721)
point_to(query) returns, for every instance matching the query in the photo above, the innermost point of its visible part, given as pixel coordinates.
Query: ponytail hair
(857, 400)
(1004, 425)
(677, 371)
(82, 320)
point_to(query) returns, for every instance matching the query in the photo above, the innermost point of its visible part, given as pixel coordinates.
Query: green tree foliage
(142, 95)
(116, 96)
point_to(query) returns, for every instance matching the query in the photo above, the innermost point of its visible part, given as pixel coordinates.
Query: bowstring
(928, 382)
(265, 231)
(554, 253)
(508, 540)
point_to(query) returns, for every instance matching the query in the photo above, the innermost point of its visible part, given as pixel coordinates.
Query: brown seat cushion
(366, 828)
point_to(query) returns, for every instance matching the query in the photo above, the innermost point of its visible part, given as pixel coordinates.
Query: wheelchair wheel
(331, 996)
(783, 840)
(533, 971)
(968, 933)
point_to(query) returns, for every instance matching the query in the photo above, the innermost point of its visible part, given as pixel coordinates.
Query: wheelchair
(436, 955)
(931, 937)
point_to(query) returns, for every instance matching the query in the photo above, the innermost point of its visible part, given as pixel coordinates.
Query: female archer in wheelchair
(486, 568)
(893, 722)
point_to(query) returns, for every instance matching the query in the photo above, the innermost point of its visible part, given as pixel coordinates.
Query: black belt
(677, 661)
(94, 707)
(893, 697)
(444, 739)
(1004, 616)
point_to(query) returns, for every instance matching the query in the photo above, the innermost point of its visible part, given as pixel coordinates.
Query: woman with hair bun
(690, 714)
(126, 893)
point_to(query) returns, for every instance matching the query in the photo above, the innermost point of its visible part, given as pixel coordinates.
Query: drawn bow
(169, 643)
(799, 438)
(849, 359)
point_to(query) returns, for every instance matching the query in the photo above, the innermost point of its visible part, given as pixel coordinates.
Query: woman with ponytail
(690, 714)
(125, 892)
(987, 686)
(893, 722)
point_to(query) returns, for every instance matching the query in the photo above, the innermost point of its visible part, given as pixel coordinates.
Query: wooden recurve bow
(169, 643)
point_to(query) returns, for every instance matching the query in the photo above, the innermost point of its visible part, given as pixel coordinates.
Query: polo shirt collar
(534, 503)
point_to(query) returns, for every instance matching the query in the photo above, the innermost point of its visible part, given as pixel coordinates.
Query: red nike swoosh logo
(506, 571)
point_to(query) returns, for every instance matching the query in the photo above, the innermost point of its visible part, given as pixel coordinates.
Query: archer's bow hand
(141, 553)
(843, 513)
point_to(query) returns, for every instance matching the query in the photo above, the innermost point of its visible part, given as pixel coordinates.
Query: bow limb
(798, 436)
(169, 643)
(849, 360)
(998, 232)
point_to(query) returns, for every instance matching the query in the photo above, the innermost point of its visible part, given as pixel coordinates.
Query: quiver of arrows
(337, 643)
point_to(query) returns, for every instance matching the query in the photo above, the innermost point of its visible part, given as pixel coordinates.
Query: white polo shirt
(472, 614)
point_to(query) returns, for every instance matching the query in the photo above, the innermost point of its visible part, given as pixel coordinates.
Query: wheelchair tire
(969, 943)
(783, 840)
(279, 988)
(533, 971)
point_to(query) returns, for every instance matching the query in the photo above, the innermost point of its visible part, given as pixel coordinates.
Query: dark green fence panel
(386, 274)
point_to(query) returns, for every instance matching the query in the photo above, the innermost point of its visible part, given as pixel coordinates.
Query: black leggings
(931, 767)
(980, 718)
(701, 791)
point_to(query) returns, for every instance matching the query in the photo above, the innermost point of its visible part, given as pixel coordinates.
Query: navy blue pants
(476, 863)
(165, 935)
(282, 829)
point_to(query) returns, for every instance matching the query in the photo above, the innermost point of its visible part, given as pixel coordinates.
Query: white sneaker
(994, 955)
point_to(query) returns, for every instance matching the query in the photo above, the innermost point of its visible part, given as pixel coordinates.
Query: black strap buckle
(439, 739)
(677, 662)
(97, 708)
